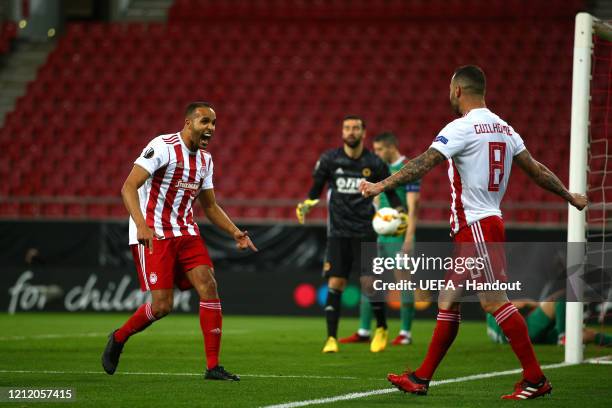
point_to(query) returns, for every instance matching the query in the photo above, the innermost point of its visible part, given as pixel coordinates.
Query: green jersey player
(386, 147)
(545, 324)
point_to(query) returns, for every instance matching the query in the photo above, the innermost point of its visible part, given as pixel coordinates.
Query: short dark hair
(191, 108)
(472, 79)
(386, 138)
(354, 117)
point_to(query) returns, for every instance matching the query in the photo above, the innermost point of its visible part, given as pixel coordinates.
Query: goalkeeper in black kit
(349, 223)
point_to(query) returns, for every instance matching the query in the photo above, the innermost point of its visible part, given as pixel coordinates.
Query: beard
(455, 107)
(352, 143)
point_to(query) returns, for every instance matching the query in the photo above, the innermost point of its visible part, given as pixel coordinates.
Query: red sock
(515, 329)
(140, 320)
(211, 321)
(444, 334)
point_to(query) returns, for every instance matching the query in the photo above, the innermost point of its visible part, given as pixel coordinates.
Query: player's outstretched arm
(219, 218)
(414, 170)
(129, 193)
(546, 179)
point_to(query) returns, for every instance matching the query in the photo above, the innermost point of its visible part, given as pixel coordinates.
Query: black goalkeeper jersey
(350, 214)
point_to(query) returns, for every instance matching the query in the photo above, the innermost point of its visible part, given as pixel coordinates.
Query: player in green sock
(546, 325)
(386, 147)
(365, 323)
(603, 339)
(365, 318)
(560, 320)
(406, 316)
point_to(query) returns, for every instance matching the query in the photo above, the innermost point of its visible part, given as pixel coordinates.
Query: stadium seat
(281, 84)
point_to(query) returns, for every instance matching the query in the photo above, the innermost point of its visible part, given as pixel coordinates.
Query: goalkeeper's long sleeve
(320, 176)
(316, 189)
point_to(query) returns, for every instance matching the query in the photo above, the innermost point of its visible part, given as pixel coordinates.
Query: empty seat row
(280, 89)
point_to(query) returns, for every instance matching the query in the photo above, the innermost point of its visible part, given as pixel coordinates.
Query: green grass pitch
(279, 359)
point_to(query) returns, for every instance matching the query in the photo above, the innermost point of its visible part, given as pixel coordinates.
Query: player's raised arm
(219, 218)
(414, 170)
(129, 193)
(546, 179)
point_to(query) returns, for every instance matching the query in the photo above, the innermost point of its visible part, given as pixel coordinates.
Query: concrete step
(152, 4)
(159, 13)
(147, 10)
(13, 93)
(18, 76)
(21, 67)
(6, 109)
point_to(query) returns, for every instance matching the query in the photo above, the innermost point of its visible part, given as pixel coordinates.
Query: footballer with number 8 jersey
(172, 171)
(480, 149)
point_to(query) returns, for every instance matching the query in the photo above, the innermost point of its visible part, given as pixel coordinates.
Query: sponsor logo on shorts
(153, 278)
(326, 266)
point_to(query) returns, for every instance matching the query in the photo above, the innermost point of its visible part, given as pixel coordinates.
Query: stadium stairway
(21, 67)
(601, 8)
(147, 10)
(126, 84)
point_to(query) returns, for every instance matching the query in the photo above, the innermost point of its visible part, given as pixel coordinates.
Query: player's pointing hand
(579, 201)
(370, 189)
(146, 236)
(243, 241)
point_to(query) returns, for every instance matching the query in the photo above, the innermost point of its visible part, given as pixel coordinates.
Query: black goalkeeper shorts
(343, 256)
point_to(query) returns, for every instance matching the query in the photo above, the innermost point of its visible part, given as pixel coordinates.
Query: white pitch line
(599, 360)
(357, 395)
(317, 377)
(80, 335)
(51, 336)
(322, 377)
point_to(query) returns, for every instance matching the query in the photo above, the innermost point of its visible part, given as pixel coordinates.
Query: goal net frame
(585, 28)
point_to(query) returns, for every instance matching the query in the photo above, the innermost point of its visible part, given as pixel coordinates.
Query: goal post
(587, 28)
(579, 136)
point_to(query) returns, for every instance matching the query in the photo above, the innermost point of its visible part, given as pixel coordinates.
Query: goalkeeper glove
(303, 208)
(401, 230)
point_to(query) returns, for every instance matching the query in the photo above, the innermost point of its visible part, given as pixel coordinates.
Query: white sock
(363, 332)
(405, 333)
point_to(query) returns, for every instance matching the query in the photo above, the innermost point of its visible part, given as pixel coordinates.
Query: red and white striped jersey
(177, 177)
(479, 147)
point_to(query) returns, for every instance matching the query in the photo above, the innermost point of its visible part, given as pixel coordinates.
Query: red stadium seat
(282, 76)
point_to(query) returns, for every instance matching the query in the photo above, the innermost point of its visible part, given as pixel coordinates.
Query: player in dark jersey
(386, 147)
(349, 223)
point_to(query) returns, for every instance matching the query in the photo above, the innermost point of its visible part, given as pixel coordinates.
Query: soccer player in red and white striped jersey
(480, 149)
(172, 171)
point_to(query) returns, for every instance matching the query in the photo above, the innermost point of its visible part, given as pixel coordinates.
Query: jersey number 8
(497, 157)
